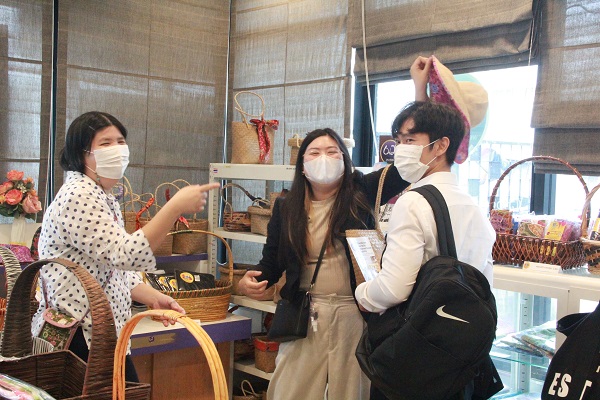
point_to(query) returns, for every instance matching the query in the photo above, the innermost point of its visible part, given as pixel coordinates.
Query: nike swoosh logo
(443, 314)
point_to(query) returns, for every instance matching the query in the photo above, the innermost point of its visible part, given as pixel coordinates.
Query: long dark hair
(349, 202)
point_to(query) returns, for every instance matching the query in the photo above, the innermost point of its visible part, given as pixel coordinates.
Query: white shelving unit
(219, 172)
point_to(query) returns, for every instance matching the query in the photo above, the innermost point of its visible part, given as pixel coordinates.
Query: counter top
(152, 337)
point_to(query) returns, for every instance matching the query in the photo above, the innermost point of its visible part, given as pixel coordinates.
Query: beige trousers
(324, 361)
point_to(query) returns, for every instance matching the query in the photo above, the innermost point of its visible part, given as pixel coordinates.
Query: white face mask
(324, 170)
(111, 161)
(407, 159)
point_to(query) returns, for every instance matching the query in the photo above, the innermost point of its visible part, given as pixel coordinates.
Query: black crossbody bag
(291, 317)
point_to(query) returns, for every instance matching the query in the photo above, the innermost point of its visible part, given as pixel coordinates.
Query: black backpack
(573, 373)
(438, 341)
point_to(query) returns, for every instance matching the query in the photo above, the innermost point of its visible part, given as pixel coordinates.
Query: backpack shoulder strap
(442, 219)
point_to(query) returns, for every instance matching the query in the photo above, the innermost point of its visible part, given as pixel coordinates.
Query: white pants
(325, 359)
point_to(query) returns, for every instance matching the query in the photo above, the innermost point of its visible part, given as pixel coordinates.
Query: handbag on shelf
(291, 316)
(375, 236)
(252, 141)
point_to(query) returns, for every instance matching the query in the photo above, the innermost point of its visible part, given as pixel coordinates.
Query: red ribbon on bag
(264, 141)
(139, 214)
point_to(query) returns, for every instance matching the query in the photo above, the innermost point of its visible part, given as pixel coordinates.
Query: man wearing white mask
(428, 136)
(327, 197)
(84, 225)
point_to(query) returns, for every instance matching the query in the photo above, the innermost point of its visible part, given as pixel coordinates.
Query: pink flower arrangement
(18, 196)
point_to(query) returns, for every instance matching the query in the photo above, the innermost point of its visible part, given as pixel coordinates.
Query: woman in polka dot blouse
(84, 224)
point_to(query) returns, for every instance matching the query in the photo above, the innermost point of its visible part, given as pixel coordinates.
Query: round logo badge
(187, 277)
(386, 151)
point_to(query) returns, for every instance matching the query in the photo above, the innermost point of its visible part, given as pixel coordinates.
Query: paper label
(540, 267)
(365, 256)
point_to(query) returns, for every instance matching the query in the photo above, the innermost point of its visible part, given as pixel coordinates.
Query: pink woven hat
(469, 98)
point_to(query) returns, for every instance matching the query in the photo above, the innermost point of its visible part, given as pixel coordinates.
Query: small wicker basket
(235, 221)
(265, 353)
(591, 248)
(514, 249)
(208, 304)
(248, 392)
(208, 347)
(259, 216)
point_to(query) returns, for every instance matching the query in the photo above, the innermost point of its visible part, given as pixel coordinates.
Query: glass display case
(529, 304)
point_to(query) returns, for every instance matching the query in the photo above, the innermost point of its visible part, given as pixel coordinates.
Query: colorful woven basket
(514, 249)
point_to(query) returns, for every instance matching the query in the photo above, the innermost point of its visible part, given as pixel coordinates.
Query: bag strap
(442, 219)
(314, 278)
(377, 207)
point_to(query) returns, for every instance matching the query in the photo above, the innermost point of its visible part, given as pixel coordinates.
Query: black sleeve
(392, 185)
(269, 264)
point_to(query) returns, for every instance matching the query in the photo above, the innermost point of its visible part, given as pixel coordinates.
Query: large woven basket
(208, 304)
(62, 374)
(12, 269)
(514, 249)
(208, 347)
(591, 248)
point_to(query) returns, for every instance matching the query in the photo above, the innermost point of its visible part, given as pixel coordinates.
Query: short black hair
(79, 137)
(435, 119)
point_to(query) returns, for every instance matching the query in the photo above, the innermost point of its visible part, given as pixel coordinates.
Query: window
(504, 137)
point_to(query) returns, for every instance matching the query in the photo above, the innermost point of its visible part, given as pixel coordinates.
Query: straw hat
(469, 98)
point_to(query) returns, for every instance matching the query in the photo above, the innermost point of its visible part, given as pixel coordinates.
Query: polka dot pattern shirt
(84, 224)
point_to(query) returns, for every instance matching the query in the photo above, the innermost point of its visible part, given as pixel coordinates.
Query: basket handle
(17, 341)
(585, 214)
(206, 343)
(249, 391)
(535, 158)
(227, 247)
(243, 113)
(12, 268)
(235, 185)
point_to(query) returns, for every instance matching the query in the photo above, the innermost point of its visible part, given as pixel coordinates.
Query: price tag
(540, 267)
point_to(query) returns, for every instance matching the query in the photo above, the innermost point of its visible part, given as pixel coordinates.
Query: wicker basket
(208, 304)
(591, 248)
(208, 347)
(62, 374)
(248, 392)
(265, 353)
(259, 217)
(12, 269)
(185, 241)
(513, 249)
(235, 221)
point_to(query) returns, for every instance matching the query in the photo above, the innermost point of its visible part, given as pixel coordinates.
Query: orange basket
(514, 249)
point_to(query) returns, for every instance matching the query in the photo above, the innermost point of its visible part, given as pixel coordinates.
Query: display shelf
(265, 305)
(248, 367)
(521, 358)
